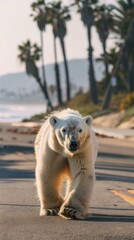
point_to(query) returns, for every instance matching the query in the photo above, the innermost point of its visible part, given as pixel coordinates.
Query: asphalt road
(112, 211)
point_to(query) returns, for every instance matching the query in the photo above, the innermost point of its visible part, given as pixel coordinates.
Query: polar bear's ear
(88, 120)
(53, 120)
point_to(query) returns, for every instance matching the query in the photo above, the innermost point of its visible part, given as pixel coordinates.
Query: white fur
(55, 162)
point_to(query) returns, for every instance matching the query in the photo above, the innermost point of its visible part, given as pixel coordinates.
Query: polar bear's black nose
(73, 146)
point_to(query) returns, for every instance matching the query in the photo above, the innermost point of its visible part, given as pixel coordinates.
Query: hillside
(20, 88)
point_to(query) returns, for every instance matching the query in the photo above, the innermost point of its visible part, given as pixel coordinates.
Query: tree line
(109, 20)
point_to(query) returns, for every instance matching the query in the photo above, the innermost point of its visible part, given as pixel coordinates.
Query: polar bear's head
(72, 132)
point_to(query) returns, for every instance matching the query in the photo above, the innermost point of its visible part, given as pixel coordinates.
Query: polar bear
(65, 147)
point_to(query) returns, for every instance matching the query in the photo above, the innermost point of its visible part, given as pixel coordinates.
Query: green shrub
(127, 102)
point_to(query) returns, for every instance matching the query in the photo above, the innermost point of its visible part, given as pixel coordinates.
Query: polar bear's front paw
(71, 213)
(67, 213)
(49, 212)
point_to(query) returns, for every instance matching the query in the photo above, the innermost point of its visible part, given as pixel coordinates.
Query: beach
(18, 133)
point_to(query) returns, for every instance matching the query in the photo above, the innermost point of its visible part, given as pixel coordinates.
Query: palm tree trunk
(92, 81)
(105, 62)
(131, 75)
(44, 85)
(66, 69)
(57, 74)
(49, 107)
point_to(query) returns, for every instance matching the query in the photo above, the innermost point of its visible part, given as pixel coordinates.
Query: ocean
(16, 112)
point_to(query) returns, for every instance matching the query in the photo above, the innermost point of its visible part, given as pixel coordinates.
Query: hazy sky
(17, 26)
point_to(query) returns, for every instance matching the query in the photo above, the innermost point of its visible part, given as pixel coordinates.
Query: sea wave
(16, 113)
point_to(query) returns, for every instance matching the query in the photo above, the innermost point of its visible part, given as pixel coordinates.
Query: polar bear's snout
(73, 146)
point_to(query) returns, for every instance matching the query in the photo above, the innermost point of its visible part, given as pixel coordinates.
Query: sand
(18, 133)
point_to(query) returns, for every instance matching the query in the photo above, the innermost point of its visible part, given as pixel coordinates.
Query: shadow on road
(115, 167)
(15, 168)
(7, 172)
(112, 177)
(110, 167)
(12, 173)
(14, 149)
(110, 218)
(19, 205)
(109, 209)
(115, 155)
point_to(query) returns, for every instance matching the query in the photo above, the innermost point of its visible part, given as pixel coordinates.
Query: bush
(127, 102)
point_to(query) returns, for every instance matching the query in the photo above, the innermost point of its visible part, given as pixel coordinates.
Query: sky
(17, 26)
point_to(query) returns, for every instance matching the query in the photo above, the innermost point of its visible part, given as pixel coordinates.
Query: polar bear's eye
(64, 130)
(80, 130)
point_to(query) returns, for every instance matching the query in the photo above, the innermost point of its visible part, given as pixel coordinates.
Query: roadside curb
(114, 132)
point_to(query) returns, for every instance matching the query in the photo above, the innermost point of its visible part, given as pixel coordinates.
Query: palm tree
(123, 49)
(29, 54)
(124, 13)
(104, 23)
(56, 65)
(39, 16)
(87, 8)
(58, 15)
(124, 29)
(112, 57)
